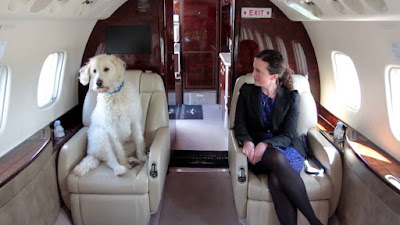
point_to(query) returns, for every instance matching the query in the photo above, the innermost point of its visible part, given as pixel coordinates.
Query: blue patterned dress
(296, 160)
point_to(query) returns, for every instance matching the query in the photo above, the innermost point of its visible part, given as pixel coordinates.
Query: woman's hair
(276, 65)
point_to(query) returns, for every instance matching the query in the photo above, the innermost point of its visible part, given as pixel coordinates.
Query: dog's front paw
(80, 170)
(119, 170)
(142, 158)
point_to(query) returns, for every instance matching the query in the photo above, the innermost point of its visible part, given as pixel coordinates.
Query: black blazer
(248, 120)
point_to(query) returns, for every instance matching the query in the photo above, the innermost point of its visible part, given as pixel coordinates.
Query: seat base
(94, 209)
(263, 212)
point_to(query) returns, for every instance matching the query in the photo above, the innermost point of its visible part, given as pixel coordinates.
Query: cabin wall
(32, 196)
(365, 199)
(251, 36)
(370, 49)
(132, 13)
(28, 45)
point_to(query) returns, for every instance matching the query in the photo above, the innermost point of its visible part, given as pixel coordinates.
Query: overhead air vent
(338, 6)
(39, 5)
(312, 7)
(307, 12)
(57, 5)
(378, 5)
(83, 7)
(16, 4)
(355, 5)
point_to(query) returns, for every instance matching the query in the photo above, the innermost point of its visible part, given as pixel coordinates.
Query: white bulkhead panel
(32, 30)
(369, 46)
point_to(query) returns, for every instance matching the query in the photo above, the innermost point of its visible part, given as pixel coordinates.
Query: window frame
(394, 118)
(4, 83)
(338, 83)
(282, 49)
(59, 71)
(300, 57)
(268, 41)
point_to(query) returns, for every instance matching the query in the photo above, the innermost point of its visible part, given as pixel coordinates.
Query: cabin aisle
(198, 198)
(206, 134)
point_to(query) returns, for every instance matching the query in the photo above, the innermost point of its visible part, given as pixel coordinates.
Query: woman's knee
(273, 182)
(276, 158)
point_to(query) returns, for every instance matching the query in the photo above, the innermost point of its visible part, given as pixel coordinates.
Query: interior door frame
(216, 51)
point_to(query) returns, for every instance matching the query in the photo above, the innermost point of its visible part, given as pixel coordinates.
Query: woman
(265, 125)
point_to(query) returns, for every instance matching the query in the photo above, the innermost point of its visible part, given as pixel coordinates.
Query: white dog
(116, 120)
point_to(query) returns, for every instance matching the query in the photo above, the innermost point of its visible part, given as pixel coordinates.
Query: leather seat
(253, 200)
(100, 197)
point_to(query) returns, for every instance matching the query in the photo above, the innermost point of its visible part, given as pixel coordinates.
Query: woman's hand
(248, 149)
(259, 152)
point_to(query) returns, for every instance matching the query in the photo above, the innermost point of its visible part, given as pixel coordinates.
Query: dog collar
(117, 90)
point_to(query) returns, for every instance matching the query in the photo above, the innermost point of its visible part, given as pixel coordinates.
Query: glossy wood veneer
(199, 21)
(247, 30)
(24, 154)
(374, 158)
(139, 13)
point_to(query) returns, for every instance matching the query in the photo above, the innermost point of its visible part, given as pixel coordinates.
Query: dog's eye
(94, 71)
(106, 69)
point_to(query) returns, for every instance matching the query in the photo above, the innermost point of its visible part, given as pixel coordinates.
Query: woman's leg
(286, 211)
(290, 181)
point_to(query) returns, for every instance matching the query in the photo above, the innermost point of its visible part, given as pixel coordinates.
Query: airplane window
(346, 79)
(3, 85)
(393, 98)
(301, 61)
(49, 78)
(282, 48)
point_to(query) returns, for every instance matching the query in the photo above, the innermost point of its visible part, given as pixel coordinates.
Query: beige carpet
(208, 134)
(198, 198)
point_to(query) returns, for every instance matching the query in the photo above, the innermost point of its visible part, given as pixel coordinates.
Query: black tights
(287, 189)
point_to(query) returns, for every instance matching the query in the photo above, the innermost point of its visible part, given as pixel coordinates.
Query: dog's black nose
(99, 83)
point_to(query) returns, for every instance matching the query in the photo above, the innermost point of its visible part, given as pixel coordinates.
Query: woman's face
(261, 75)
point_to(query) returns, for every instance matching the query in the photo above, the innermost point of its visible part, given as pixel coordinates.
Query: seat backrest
(153, 99)
(307, 108)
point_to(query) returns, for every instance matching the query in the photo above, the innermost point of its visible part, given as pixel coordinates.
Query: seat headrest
(144, 82)
(307, 108)
(300, 83)
(151, 82)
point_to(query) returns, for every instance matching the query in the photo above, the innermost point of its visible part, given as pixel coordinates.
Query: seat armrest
(71, 153)
(237, 162)
(331, 159)
(159, 156)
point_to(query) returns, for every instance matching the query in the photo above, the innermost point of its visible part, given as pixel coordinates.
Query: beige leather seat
(253, 200)
(99, 197)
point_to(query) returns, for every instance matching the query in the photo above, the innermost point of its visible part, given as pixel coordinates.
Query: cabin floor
(213, 201)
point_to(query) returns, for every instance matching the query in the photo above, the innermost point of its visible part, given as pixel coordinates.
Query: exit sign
(248, 12)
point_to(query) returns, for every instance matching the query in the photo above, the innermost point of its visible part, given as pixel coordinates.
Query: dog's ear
(84, 74)
(120, 64)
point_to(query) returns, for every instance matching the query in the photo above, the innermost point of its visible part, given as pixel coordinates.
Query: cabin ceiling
(340, 10)
(78, 9)
(296, 10)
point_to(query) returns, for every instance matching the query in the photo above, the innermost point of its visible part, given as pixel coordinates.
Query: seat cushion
(103, 181)
(318, 187)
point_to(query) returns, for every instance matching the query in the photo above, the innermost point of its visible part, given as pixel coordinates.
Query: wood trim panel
(133, 13)
(250, 37)
(24, 154)
(374, 157)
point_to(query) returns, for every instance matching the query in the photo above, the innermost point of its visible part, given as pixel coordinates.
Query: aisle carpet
(199, 159)
(182, 112)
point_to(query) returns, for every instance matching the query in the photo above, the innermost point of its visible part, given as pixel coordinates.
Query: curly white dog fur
(116, 130)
